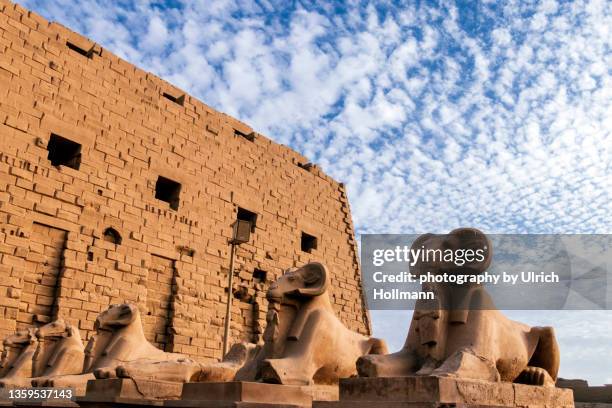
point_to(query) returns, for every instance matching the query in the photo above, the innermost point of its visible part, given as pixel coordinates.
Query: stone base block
(430, 392)
(321, 392)
(601, 394)
(242, 394)
(48, 403)
(24, 403)
(127, 391)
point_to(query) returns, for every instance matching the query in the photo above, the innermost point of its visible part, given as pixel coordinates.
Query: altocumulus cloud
(489, 114)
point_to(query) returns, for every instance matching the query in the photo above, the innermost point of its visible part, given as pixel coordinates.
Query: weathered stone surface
(48, 403)
(187, 370)
(227, 404)
(305, 342)
(429, 391)
(119, 339)
(58, 220)
(322, 392)
(585, 393)
(239, 393)
(571, 382)
(125, 389)
(593, 394)
(17, 363)
(399, 404)
(58, 350)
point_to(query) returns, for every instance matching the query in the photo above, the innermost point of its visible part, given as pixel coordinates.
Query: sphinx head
(305, 282)
(20, 338)
(12, 344)
(117, 316)
(57, 328)
(465, 250)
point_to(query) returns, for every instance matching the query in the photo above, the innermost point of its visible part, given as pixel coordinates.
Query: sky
(490, 114)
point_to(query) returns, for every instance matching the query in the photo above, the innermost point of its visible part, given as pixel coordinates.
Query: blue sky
(436, 115)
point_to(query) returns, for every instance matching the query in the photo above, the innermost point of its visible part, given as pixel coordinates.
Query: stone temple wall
(116, 186)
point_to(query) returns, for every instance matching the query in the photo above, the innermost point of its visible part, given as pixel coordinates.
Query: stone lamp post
(241, 234)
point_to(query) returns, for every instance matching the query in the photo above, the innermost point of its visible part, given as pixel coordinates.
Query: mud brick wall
(84, 139)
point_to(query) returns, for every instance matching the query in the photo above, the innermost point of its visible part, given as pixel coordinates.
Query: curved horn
(316, 279)
(127, 314)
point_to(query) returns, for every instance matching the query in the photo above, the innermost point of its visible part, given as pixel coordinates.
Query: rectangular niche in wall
(84, 52)
(250, 136)
(169, 191)
(64, 152)
(178, 99)
(308, 242)
(246, 215)
(259, 275)
(160, 295)
(41, 278)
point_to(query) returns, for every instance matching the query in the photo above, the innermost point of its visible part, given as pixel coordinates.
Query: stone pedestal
(601, 394)
(25, 403)
(125, 391)
(430, 392)
(321, 392)
(243, 395)
(48, 403)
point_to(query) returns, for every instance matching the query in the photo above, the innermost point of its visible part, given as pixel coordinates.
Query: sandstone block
(126, 390)
(441, 391)
(239, 393)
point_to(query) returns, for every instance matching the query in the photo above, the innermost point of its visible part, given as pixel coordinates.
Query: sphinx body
(60, 350)
(188, 370)
(13, 346)
(461, 334)
(16, 366)
(53, 349)
(119, 339)
(304, 341)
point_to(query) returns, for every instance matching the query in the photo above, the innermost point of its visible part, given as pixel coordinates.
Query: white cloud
(156, 36)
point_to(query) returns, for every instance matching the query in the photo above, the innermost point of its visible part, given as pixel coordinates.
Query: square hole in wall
(112, 235)
(246, 215)
(169, 191)
(250, 137)
(179, 100)
(309, 242)
(79, 50)
(259, 275)
(64, 152)
(305, 166)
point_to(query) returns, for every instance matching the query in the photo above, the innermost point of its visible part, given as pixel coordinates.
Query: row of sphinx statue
(304, 343)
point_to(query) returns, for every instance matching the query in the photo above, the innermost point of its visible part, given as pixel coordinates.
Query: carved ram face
(56, 328)
(307, 281)
(117, 315)
(20, 338)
